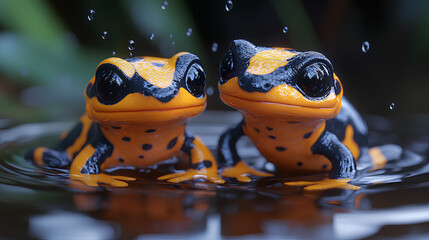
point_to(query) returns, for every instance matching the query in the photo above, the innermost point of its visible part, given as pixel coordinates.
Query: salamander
(295, 114)
(137, 110)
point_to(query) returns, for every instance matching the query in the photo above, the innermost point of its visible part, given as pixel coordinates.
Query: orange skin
(277, 119)
(138, 130)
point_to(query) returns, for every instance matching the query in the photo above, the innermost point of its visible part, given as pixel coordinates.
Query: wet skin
(295, 114)
(136, 115)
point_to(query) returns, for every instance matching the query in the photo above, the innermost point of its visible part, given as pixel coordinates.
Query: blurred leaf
(301, 31)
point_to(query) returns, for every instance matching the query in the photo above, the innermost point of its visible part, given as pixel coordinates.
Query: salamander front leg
(203, 166)
(230, 161)
(85, 168)
(343, 165)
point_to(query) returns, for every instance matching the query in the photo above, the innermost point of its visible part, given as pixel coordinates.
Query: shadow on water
(43, 204)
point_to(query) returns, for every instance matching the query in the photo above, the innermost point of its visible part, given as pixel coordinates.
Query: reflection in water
(392, 201)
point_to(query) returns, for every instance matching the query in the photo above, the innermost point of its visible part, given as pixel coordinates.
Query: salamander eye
(196, 80)
(109, 86)
(227, 67)
(315, 81)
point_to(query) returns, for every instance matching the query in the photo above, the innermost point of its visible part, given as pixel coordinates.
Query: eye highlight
(315, 81)
(227, 67)
(109, 86)
(196, 80)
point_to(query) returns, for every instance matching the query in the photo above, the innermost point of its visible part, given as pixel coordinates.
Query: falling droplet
(210, 90)
(131, 46)
(104, 35)
(189, 32)
(214, 47)
(285, 29)
(229, 5)
(152, 36)
(171, 35)
(392, 106)
(173, 43)
(24, 72)
(113, 53)
(91, 15)
(365, 47)
(164, 5)
(131, 54)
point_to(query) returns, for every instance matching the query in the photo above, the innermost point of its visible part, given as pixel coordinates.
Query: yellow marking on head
(265, 62)
(161, 77)
(377, 157)
(122, 64)
(350, 143)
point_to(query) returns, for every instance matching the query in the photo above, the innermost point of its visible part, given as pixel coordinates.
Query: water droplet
(131, 46)
(210, 90)
(229, 5)
(152, 36)
(189, 32)
(91, 15)
(214, 47)
(392, 106)
(173, 43)
(104, 35)
(113, 53)
(285, 29)
(171, 35)
(365, 47)
(131, 54)
(164, 5)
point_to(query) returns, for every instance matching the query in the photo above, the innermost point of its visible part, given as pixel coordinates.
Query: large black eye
(315, 81)
(227, 67)
(196, 80)
(109, 85)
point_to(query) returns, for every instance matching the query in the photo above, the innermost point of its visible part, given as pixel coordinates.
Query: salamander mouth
(277, 103)
(150, 110)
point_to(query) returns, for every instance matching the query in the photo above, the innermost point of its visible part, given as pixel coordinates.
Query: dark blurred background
(49, 49)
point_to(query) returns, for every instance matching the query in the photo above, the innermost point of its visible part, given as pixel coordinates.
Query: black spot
(272, 137)
(203, 164)
(150, 130)
(141, 156)
(281, 149)
(324, 166)
(307, 135)
(146, 147)
(121, 160)
(294, 122)
(116, 127)
(299, 164)
(257, 130)
(126, 139)
(172, 143)
(269, 128)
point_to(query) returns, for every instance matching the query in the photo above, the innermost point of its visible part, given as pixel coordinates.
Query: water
(214, 47)
(228, 5)
(189, 32)
(91, 15)
(392, 106)
(164, 5)
(131, 45)
(104, 35)
(365, 47)
(393, 202)
(285, 29)
(152, 36)
(113, 53)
